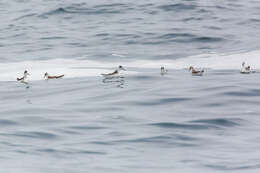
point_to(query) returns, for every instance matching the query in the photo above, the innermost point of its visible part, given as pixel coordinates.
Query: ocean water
(141, 121)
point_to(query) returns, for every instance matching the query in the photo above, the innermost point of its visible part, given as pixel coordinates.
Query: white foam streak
(211, 61)
(80, 68)
(70, 68)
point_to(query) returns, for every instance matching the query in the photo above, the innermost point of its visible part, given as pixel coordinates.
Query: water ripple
(177, 7)
(219, 122)
(183, 126)
(37, 135)
(7, 123)
(80, 9)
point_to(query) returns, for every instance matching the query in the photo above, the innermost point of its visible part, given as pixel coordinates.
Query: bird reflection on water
(118, 81)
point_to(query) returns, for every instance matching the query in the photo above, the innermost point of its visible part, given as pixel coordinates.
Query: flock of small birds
(195, 72)
(46, 77)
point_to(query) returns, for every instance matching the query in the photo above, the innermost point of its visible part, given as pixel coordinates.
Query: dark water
(141, 121)
(140, 29)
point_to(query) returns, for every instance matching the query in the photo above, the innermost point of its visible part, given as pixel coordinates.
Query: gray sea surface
(140, 121)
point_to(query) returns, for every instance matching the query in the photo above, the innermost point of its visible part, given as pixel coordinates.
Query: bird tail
(60, 76)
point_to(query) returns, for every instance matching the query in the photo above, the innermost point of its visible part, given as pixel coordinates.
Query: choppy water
(142, 121)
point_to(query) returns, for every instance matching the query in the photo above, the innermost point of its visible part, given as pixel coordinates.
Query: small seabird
(47, 76)
(196, 72)
(245, 69)
(116, 72)
(23, 79)
(163, 71)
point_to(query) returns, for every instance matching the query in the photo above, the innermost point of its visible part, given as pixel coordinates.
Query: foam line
(79, 68)
(70, 68)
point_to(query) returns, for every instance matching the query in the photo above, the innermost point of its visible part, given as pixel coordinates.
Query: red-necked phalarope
(116, 72)
(196, 72)
(163, 71)
(246, 69)
(47, 76)
(23, 79)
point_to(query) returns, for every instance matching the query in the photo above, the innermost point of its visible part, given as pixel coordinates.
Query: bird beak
(123, 68)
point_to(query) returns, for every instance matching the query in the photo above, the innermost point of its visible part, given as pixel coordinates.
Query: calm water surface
(141, 121)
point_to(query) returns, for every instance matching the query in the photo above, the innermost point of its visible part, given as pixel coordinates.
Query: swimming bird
(195, 72)
(25, 75)
(116, 72)
(245, 69)
(47, 76)
(163, 70)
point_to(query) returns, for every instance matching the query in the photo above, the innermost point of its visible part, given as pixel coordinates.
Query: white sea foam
(211, 61)
(70, 68)
(80, 68)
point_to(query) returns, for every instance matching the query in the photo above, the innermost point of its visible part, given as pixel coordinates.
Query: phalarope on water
(196, 72)
(116, 72)
(246, 69)
(23, 79)
(163, 71)
(47, 76)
